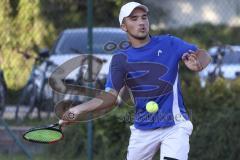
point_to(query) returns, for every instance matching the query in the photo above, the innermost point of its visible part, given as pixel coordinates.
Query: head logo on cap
(127, 9)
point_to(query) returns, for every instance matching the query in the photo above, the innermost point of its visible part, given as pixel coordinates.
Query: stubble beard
(139, 37)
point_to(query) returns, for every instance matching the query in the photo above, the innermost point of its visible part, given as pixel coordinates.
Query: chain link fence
(60, 26)
(185, 13)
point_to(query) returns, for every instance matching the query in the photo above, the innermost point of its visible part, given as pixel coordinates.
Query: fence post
(90, 50)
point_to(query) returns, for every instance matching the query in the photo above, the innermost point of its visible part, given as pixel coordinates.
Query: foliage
(216, 137)
(213, 111)
(27, 26)
(22, 30)
(72, 13)
(235, 88)
(110, 138)
(206, 35)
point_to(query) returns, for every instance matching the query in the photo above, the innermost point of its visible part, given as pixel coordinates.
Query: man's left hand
(196, 61)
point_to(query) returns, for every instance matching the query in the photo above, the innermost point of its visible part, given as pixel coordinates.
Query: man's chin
(141, 37)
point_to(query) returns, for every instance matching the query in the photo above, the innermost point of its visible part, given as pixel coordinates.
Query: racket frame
(50, 127)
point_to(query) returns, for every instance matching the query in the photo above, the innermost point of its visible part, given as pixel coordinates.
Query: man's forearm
(103, 101)
(204, 58)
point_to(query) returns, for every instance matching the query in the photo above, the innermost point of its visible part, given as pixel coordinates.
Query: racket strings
(43, 135)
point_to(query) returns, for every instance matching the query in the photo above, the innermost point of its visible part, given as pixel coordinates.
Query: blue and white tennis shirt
(151, 73)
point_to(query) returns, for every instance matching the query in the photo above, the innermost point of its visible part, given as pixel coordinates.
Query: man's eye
(134, 18)
(144, 17)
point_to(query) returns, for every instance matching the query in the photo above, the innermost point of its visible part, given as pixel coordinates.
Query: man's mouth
(142, 29)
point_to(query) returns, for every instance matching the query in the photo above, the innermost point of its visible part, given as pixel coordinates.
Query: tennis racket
(44, 134)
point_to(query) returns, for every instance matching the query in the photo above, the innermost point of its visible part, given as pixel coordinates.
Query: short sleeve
(183, 46)
(116, 75)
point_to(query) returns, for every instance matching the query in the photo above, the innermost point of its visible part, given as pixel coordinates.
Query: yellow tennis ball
(152, 107)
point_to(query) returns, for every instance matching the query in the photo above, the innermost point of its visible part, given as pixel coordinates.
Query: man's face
(137, 24)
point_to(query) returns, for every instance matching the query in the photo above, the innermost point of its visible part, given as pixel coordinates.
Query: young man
(149, 68)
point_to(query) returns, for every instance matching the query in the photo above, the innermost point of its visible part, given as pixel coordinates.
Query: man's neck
(137, 43)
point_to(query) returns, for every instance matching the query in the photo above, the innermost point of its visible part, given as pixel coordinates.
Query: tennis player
(149, 68)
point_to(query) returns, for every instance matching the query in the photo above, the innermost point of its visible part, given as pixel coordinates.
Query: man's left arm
(196, 60)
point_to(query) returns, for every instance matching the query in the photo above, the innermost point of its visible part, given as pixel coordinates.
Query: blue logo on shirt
(146, 84)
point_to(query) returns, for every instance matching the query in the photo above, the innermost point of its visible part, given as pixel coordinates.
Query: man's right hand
(72, 114)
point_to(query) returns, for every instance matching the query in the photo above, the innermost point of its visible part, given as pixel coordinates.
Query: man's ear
(124, 27)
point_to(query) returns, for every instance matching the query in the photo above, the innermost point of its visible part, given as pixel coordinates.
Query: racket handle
(60, 122)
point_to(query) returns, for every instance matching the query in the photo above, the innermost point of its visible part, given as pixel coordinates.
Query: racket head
(44, 134)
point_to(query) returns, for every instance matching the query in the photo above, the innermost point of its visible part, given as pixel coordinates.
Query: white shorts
(173, 142)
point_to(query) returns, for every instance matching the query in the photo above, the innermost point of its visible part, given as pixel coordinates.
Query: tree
(23, 29)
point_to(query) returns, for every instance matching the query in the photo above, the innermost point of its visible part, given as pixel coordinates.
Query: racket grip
(60, 122)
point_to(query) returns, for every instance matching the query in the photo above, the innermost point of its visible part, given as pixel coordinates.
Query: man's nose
(141, 22)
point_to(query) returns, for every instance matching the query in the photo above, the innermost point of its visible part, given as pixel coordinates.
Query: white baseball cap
(127, 9)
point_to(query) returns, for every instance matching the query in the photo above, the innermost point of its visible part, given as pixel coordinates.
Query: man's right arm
(105, 100)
